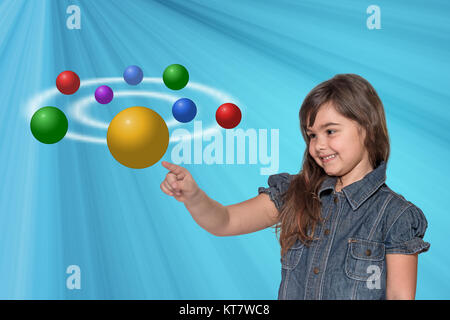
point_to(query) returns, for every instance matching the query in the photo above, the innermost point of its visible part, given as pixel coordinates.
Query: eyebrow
(326, 125)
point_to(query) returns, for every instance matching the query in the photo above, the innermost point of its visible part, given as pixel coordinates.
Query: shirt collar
(361, 190)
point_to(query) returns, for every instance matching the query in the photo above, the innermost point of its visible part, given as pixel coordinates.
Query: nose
(320, 143)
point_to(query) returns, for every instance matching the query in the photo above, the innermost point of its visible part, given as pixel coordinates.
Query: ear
(362, 132)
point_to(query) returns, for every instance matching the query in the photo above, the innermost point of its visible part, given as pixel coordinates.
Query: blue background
(71, 203)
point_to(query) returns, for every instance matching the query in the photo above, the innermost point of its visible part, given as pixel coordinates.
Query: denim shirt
(364, 221)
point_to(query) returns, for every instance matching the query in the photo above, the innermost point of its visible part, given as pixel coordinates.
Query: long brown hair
(356, 99)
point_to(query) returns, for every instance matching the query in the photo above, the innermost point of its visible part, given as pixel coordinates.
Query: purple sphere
(104, 94)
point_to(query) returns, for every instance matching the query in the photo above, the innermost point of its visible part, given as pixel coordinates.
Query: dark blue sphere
(133, 75)
(184, 110)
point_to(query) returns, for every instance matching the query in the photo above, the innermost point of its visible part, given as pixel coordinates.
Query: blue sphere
(133, 75)
(184, 110)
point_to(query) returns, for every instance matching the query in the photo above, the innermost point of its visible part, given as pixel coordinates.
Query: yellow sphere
(137, 137)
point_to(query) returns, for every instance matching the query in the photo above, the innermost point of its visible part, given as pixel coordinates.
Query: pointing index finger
(177, 170)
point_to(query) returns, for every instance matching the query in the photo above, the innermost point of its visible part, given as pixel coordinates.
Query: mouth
(328, 158)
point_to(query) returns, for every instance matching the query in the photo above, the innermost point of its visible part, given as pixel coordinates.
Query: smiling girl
(344, 233)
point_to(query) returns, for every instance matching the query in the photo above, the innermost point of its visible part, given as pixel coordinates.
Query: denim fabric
(364, 221)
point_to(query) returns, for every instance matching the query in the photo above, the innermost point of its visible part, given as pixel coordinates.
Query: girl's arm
(401, 276)
(245, 217)
(250, 216)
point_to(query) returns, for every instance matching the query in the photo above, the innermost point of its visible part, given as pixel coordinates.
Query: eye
(312, 135)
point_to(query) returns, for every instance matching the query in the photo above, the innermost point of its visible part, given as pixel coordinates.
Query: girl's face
(333, 134)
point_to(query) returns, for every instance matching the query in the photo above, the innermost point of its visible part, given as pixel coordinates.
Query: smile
(328, 158)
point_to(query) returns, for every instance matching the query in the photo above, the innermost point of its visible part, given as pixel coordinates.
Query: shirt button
(316, 270)
(327, 232)
(335, 199)
(368, 252)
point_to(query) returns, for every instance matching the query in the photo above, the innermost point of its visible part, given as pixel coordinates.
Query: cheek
(346, 144)
(312, 149)
(339, 146)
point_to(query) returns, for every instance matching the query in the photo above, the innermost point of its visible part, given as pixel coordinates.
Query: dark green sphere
(175, 77)
(49, 125)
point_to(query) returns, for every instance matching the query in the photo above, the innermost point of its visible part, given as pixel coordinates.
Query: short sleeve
(406, 233)
(278, 185)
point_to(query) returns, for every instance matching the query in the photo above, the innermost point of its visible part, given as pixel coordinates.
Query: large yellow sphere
(137, 137)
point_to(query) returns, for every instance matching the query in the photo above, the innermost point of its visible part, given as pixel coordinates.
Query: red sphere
(228, 115)
(68, 82)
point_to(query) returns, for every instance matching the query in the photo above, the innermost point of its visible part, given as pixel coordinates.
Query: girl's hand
(179, 183)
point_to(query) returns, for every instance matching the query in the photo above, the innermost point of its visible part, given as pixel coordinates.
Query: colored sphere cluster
(49, 125)
(175, 77)
(104, 94)
(133, 75)
(68, 82)
(184, 110)
(137, 137)
(228, 115)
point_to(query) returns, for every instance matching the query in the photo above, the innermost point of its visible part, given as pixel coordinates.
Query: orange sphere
(137, 137)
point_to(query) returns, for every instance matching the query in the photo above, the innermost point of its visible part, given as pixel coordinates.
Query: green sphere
(175, 77)
(49, 125)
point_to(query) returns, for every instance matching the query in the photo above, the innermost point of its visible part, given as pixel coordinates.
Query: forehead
(327, 114)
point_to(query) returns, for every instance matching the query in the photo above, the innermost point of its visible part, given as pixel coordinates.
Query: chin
(331, 170)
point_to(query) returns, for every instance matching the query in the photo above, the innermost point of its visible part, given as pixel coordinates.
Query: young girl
(344, 233)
